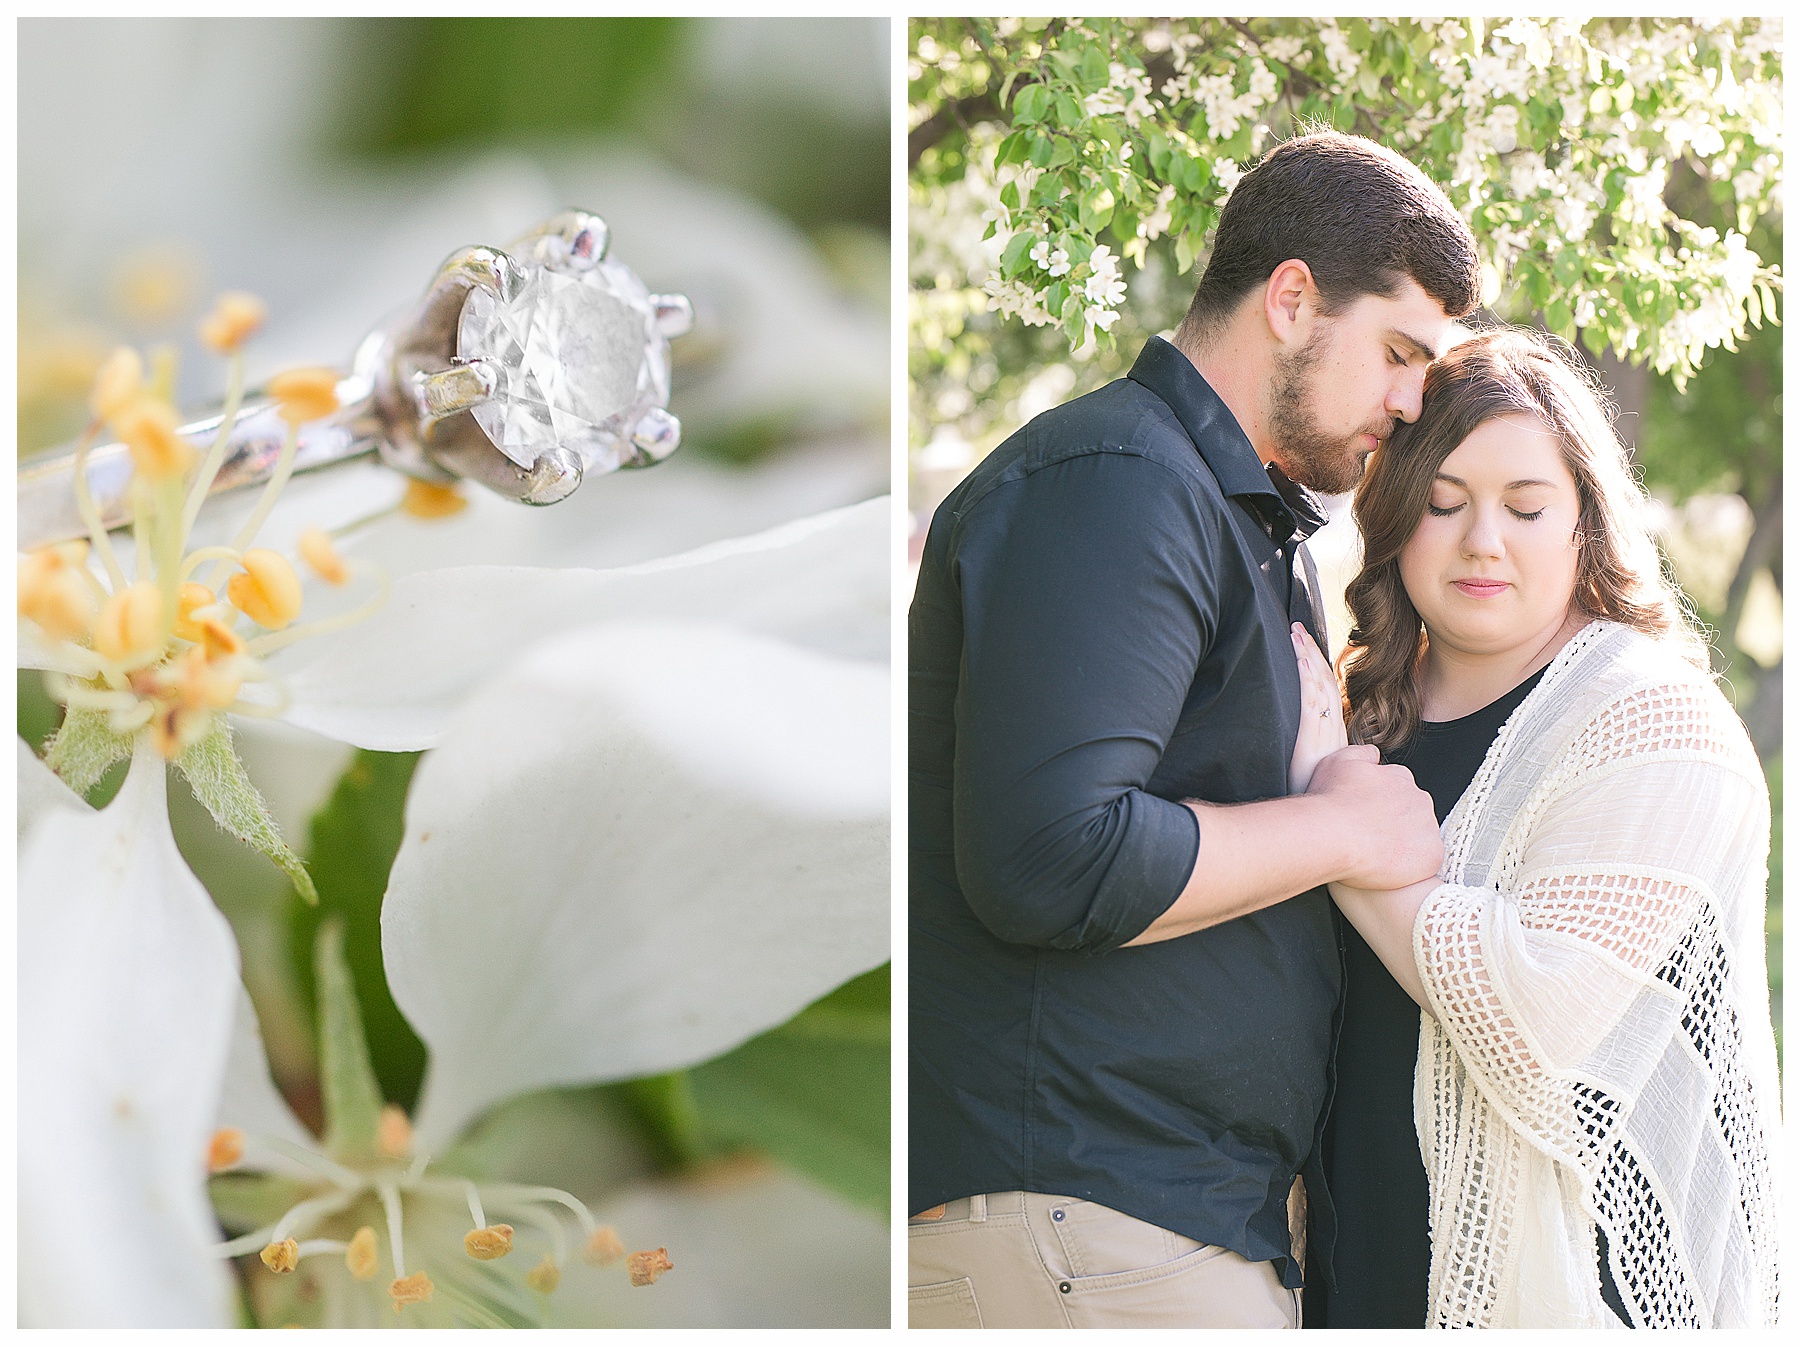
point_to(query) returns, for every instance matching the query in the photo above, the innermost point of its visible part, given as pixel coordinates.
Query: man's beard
(1327, 463)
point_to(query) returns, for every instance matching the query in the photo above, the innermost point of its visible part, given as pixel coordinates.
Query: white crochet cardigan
(1597, 1048)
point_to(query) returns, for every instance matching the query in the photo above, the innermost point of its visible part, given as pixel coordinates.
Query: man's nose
(1406, 395)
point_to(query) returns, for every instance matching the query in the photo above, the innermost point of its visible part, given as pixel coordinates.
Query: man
(1124, 974)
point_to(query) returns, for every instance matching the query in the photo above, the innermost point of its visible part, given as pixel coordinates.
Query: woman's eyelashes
(1445, 511)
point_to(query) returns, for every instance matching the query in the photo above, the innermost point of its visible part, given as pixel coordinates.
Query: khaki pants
(1022, 1259)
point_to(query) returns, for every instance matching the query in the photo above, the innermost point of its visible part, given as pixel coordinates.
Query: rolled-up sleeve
(1087, 608)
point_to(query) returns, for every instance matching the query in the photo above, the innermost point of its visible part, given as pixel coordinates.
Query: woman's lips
(1481, 588)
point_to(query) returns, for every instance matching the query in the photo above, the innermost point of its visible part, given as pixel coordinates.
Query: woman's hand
(1321, 712)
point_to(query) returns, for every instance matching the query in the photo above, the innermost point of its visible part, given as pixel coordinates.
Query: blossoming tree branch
(1086, 143)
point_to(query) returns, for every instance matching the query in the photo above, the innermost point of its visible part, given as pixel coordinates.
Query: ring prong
(654, 437)
(570, 240)
(674, 314)
(553, 477)
(448, 391)
(488, 268)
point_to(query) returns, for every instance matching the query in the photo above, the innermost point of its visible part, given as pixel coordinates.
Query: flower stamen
(644, 1268)
(225, 1149)
(359, 1254)
(282, 1257)
(266, 590)
(393, 1133)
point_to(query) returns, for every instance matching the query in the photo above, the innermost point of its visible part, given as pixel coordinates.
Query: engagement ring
(523, 370)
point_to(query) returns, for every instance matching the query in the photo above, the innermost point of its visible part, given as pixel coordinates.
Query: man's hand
(1390, 826)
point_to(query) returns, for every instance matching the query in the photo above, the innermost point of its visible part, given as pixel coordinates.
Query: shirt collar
(1289, 508)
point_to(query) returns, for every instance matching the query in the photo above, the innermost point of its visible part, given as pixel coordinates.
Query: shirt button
(1064, 1287)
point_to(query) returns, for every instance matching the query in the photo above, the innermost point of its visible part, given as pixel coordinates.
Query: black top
(1100, 629)
(1372, 1162)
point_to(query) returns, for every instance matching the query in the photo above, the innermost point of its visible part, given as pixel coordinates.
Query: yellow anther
(235, 318)
(201, 682)
(393, 1133)
(359, 1257)
(266, 590)
(645, 1267)
(545, 1276)
(148, 428)
(176, 728)
(604, 1246)
(54, 593)
(282, 1257)
(413, 1289)
(226, 1148)
(423, 500)
(192, 597)
(303, 395)
(130, 624)
(317, 551)
(216, 638)
(119, 383)
(484, 1245)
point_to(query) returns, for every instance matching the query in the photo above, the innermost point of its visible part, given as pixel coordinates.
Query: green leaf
(1012, 255)
(1009, 196)
(1096, 210)
(1093, 69)
(1010, 150)
(1039, 153)
(218, 781)
(83, 748)
(1030, 104)
(665, 1107)
(814, 1092)
(355, 837)
(351, 1096)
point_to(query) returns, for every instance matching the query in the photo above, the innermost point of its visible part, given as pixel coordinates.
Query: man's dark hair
(1360, 216)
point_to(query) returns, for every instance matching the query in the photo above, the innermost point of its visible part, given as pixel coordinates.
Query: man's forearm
(1253, 856)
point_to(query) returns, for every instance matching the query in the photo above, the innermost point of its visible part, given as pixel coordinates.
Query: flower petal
(42, 792)
(249, 1099)
(127, 978)
(755, 1249)
(391, 683)
(637, 848)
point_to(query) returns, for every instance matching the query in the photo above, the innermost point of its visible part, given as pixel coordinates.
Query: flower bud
(303, 395)
(266, 590)
(235, 318)
(130, 624)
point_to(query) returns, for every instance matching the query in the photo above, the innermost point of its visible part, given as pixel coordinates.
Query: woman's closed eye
(1445, 511)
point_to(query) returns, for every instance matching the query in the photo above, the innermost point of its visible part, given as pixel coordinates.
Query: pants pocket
(945, 1304)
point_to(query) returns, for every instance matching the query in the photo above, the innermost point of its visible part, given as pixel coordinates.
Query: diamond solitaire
(572, 352)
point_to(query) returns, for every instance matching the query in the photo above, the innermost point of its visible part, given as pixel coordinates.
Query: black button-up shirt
(1100, 630)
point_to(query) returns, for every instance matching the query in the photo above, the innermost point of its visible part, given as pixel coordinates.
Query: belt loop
(978, 1208)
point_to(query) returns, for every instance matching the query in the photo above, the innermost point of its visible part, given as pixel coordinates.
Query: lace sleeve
(1560, 987)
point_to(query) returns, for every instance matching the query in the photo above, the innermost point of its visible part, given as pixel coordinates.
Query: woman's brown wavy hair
(1499, 372)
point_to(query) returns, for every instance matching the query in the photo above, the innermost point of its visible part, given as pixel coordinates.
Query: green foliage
(813, 1092)
(347, 1084)
(452, 81)
(219, 782)
(1611, 172)
(355, 837)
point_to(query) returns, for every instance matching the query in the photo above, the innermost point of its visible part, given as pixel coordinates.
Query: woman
(1595, 1084)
